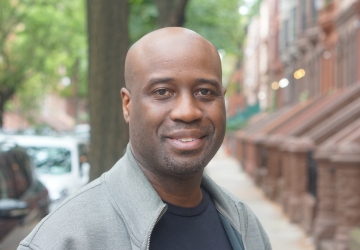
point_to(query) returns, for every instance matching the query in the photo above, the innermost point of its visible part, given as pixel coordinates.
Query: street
(283, 235)
(12, 241)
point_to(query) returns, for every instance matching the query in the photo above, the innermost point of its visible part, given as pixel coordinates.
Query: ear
(126, 98)
(224, 90)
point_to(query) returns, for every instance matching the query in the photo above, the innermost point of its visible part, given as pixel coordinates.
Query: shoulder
(82, 219)
(254, 232)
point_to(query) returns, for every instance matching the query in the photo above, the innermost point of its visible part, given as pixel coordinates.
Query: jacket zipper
(160, 214)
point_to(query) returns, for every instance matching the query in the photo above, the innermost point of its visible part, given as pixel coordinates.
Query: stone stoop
(326, 245)
(355, 239)
(308, 213)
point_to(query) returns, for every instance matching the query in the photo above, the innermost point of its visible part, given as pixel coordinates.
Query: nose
(186, 109)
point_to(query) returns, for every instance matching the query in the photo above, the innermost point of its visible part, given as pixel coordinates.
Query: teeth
(186, 139)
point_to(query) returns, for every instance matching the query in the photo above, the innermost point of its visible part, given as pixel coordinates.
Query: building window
(303, 16)
(351, 67)
(315, 7)
(286, 33)
(340, 61)
(293, 25)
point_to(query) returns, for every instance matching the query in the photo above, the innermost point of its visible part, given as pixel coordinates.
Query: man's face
(176, 109)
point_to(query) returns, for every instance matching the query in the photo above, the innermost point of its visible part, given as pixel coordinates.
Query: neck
(183, 191)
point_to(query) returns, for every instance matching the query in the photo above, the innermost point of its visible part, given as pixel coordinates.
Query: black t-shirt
(196, 228)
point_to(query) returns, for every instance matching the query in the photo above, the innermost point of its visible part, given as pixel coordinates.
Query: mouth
(187, 140)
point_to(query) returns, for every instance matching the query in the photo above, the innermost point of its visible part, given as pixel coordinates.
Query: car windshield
(51, 160)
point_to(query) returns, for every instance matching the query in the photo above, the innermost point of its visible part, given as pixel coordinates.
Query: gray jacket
(120, 209)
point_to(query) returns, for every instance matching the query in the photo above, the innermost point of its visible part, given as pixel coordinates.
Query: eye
(204, 92)
(162, 93)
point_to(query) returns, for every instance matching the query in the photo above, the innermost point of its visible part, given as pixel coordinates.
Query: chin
(185, 166)
(185, 171)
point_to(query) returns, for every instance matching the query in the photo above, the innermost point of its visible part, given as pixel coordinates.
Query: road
(11, 242)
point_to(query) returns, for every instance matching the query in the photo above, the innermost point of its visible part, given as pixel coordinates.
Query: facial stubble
(186, 164)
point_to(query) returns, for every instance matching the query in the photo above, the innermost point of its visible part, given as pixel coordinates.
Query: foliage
(233, 88)
(221, 23)
(254, 8)
(217, 21)
(37, 38)
(148, 12)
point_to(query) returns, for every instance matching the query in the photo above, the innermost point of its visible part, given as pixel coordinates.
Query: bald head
(173, 92)
(167, 44)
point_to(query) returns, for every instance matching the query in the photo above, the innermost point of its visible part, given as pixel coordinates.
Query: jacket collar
(137, 202)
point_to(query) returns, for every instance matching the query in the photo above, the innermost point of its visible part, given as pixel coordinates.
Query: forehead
(178, 57)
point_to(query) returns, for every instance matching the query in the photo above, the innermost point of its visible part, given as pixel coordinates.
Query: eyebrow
(154, 81)
(210, 81)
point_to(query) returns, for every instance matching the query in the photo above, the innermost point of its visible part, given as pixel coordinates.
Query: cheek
(217, 114)
(147, 117)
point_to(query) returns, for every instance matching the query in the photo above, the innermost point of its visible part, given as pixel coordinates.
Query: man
(156, 196)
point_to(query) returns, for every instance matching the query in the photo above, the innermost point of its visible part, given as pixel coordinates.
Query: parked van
(61, 162)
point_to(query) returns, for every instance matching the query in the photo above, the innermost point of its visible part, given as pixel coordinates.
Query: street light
(299, 74)
(261, 95)
(283, 83)
(275, 86)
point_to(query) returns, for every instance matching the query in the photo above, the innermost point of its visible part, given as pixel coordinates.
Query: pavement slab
(227, 172)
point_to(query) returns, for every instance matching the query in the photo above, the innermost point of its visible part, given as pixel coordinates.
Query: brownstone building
(306, 154)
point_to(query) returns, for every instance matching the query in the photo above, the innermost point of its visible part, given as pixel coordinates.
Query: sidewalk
(226, 172)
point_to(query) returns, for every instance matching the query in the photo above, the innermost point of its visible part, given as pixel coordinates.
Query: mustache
(187, 126)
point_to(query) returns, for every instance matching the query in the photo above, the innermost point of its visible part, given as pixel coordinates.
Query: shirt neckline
(190, 211)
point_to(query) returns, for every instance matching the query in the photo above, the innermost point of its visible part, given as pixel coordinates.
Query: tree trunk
(108, 44)
(75, 89)
(171, 12)
(2, 105)
(5, 95)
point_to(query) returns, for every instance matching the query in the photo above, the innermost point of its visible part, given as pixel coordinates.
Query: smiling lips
(187, 139)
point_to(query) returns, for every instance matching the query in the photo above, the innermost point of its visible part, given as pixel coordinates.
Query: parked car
(24, 199)
(82, 130)
(61, 162)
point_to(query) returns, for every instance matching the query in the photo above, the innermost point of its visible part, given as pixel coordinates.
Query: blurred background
(291, 68)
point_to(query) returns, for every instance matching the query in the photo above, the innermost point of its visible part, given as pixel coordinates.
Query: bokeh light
(275, 86)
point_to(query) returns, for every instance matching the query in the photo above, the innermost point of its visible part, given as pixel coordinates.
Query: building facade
(303, 62)
(312, 44)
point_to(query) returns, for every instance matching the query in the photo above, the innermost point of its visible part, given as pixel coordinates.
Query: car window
(51, 160)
